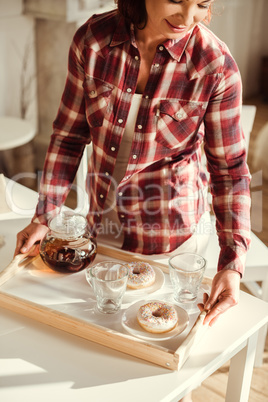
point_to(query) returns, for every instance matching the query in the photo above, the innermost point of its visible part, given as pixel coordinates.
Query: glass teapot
(68, 245)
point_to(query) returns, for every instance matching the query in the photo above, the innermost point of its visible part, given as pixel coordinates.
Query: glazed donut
(157, 317)
(140, 275)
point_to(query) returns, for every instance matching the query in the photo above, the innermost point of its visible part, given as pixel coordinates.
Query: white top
(112, 228)
(15, 132)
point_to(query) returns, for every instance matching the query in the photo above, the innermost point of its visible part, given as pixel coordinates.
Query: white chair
(247, 120)
(82, 197)
(15, 132)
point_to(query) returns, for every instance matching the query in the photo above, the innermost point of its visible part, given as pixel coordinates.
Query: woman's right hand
(26, 238)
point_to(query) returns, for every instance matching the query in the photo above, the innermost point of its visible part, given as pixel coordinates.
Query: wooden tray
(114, 339)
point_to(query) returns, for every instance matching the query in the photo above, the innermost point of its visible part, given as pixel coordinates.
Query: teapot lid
(68, 225)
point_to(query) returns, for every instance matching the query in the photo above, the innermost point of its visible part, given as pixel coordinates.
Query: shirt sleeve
(229, 174)
(70, 135)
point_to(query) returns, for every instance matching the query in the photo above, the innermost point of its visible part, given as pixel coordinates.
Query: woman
(147, 84)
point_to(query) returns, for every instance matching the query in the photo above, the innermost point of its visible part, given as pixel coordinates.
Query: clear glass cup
(186, 272)
(109, 282)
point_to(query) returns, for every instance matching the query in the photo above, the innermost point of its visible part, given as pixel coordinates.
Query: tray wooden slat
(128, 257)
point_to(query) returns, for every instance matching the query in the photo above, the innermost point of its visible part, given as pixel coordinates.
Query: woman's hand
(224, 294)
(30, 235)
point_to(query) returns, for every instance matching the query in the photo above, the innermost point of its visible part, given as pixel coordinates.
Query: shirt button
(120, 121)
(107, 174)
(134, 156)
(156, 65)
(139, 126)
(137, 58)
(120, 194)
(113, 149)
(147, 97)
(161, 48)
(92, 93)
(122, 216)
(129, 90)
(179, 115)
(101, 195)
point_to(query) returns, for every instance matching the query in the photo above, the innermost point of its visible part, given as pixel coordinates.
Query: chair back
(82, 197)
(247, 121)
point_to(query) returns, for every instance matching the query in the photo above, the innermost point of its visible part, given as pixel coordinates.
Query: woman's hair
(133, 11)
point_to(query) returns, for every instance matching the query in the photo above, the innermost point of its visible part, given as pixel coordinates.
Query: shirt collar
(121, 33)
(175, 47)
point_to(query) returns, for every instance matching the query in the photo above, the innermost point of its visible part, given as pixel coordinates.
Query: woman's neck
(146, 40)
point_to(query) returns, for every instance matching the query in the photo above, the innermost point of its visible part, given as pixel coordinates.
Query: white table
(39, 362)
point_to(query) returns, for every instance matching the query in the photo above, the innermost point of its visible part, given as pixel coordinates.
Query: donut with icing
(157, 317)
(140, 275)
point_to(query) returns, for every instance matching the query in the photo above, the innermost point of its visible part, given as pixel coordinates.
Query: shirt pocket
(97, 98)
(177, 122)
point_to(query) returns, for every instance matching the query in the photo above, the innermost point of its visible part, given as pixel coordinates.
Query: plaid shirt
(193, 95)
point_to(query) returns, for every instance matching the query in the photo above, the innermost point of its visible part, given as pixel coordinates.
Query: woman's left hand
(224, 294)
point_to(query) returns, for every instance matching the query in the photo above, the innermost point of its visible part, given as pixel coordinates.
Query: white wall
(10, 7)
(17, 35)
(265, 28)
(241, 25)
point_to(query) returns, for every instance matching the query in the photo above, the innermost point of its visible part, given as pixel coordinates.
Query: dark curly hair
(133, 11)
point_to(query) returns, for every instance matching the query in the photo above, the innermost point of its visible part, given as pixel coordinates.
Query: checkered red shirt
(193, 94)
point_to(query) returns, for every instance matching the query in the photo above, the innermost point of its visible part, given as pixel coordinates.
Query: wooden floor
(214, 388)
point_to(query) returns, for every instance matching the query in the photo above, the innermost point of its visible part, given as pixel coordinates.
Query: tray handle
(194, 336)
(15, 266)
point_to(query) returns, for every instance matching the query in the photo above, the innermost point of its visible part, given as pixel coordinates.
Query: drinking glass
(186, 272)
(109, 281)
